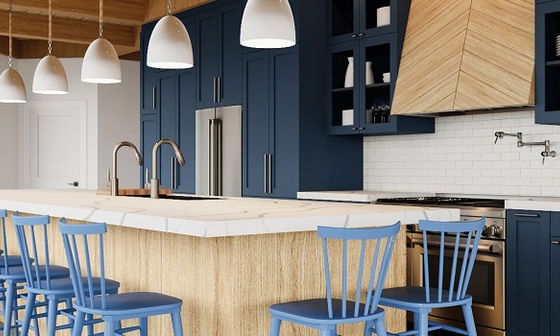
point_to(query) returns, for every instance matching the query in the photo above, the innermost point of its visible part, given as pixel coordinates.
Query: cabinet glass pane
(342, 17)
(378, 84)
(342, 93)
(552, 54)
(372, 19)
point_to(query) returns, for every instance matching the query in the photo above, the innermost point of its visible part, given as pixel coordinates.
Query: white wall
(119, 119)
(8, 141)
(461, 157)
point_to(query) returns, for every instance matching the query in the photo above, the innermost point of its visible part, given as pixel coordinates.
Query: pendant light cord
(50, 27)
(169, 7)
(10, 46)
(100, 18)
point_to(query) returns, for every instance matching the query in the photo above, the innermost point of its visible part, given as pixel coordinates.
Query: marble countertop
(213, 218)
(358, 196)
(534, 203)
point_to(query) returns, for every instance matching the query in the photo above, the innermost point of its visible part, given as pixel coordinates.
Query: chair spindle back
(470, 232)
(71, 234)
(26, 233)
(382, 235)
(3, 215)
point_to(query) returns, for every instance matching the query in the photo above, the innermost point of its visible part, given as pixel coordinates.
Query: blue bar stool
(113, 308)
(51, 281)
(326, 314)
(421, 300)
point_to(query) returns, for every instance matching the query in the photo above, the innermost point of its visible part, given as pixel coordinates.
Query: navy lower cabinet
(528, 273)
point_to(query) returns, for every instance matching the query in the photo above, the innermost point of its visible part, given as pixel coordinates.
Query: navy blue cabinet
(185, 175)
(149, 135)
(528, 273)
(547, 77)
(219, 57)
(147, 78)
(168, 104)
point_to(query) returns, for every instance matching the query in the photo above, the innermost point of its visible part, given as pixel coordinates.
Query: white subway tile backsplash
(461, 157)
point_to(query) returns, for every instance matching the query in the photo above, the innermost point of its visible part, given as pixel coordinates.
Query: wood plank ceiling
(466, 54)
(75, 24)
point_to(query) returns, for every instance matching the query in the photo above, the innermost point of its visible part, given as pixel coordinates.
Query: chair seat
(13, 260)
(63, 286)
(132, 304)
(18, 274)
(416, 297)
(315, 311)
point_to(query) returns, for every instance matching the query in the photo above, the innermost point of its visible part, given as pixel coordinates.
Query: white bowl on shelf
(383, 16)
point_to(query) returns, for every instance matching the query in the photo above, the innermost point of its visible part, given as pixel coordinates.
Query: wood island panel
(227, 283)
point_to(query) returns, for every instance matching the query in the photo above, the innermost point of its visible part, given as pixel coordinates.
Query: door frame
(25, 131)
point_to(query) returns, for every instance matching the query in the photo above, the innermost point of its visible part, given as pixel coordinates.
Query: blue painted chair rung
(325, 314)
(463, 236)
(111, 307)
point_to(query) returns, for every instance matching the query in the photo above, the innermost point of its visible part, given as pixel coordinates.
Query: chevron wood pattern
(466, 54)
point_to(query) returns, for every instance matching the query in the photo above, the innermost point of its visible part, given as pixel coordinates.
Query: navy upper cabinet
(547, 61)
(528, 275)
(185, 175)
(353, 19)
(147, 78)
(168, 110)
(219, 57)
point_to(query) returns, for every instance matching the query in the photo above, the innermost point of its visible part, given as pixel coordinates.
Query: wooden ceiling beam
(126, 12)
(34, 26)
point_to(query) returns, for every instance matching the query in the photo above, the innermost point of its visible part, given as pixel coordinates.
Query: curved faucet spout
(154, 184)
(114, 179)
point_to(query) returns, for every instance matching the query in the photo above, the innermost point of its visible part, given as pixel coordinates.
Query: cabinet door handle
(527, 215)
(172, 173)
(354, 35)
(265, 173)
(219, 90)
(269, 182)
(555, 242)
(153, 97)
(361, 34)
(215, 80)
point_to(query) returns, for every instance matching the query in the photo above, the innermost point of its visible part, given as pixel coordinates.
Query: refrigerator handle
(215, 157)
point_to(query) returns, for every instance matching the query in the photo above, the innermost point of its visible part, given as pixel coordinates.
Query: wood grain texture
(155, 9)
(496, 56)
(228, 283)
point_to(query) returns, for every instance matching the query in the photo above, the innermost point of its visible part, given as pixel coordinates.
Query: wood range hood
(466, 55)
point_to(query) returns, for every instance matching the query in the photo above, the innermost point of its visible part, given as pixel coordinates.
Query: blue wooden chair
(51, 281)
(421, 300)
(113, 308)
(326, 314)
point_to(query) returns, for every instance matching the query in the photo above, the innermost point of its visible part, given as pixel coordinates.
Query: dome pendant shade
(268, 24)
(12, 87)
(101, 63)
(50, 77)
(170, 45)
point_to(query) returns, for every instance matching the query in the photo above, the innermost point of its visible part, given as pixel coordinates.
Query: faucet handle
(147, 179)
(499, 135)
(109, 184)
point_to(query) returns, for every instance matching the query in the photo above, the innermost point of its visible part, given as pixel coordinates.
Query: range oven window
(481, 286)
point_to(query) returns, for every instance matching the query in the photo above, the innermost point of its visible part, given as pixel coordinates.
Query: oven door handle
(483, 248)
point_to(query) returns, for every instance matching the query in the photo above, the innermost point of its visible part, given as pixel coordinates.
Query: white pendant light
(50, 77)
(268, 24)
(101, 63)
(12, 87)
(170, 45)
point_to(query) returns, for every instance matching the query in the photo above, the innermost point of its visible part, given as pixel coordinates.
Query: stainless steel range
(487, 285)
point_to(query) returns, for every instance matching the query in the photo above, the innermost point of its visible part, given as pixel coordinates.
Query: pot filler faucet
(114, 179)
(154, 184)
(547, 153)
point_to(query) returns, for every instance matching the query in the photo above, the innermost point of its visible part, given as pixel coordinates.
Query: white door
(54, 145)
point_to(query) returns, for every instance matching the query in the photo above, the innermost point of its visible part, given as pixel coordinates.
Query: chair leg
(325, 330)
(416, 320)
(51, 316)
(28, 313)
(380, 327)
(9, 308)
(275, 324)
(423, 324)
(90, 331)
(143, 326)
(469, 319)
(78, 324)
(109, 327)
(177, 325)
(368, 328)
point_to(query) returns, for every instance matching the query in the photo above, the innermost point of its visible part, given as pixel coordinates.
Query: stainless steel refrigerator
(219, 151)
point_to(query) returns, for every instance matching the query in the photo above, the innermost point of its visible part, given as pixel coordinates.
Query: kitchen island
(227, 258)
